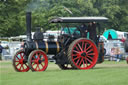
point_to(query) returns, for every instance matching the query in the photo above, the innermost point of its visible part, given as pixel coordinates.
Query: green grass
(107, 73)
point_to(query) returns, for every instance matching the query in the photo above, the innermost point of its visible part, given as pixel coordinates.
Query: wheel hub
(21, 61)
(24, 61)
(39, 61)
(83, 54)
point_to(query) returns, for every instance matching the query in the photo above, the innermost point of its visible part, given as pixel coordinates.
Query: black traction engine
(71, 51)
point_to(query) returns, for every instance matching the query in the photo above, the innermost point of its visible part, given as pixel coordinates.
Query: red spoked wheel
(38, 60)
(83, 54)
(20, 61)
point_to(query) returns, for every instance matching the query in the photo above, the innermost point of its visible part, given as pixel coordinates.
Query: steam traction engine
(71, 51)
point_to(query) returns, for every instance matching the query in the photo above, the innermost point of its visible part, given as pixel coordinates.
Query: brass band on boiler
(37, 47)
(58, 48)
(46, 44)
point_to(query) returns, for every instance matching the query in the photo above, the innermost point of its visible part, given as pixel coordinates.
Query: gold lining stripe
(37, 47)
(58, 47)
(46, 44)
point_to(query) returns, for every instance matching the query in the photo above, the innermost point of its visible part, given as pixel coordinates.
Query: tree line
(13, 22)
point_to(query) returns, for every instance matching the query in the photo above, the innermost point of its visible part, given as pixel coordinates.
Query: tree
(12, 13)
(10, 16)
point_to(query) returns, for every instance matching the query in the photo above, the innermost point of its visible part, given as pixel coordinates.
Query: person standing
(109, 36)
(112, 53)
(92, 31)
(22, 45)
(1, 48)
(84, 29)
(118, 54)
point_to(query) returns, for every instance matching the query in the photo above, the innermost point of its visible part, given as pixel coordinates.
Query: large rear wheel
(83, 54)
(38, 60)
(20, 61)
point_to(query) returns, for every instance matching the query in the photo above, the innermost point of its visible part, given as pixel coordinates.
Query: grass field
(107, 73)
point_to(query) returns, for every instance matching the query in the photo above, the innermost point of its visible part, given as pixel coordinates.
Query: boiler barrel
(48, 46)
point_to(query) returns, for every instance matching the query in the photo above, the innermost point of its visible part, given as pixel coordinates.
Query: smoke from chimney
(36, 4)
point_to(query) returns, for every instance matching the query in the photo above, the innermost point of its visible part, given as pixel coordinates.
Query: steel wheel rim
(84, 54)
(39, 61)
(20, 63)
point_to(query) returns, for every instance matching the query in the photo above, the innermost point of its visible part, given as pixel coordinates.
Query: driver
(92, 31)
(84, 30)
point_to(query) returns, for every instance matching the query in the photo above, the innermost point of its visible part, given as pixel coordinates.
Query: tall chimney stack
(28, 25)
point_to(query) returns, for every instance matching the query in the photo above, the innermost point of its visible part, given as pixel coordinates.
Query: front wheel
(83, 54)
(20, 62)
(38, 60)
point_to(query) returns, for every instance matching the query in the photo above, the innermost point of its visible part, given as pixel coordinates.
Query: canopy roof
(78, 19)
